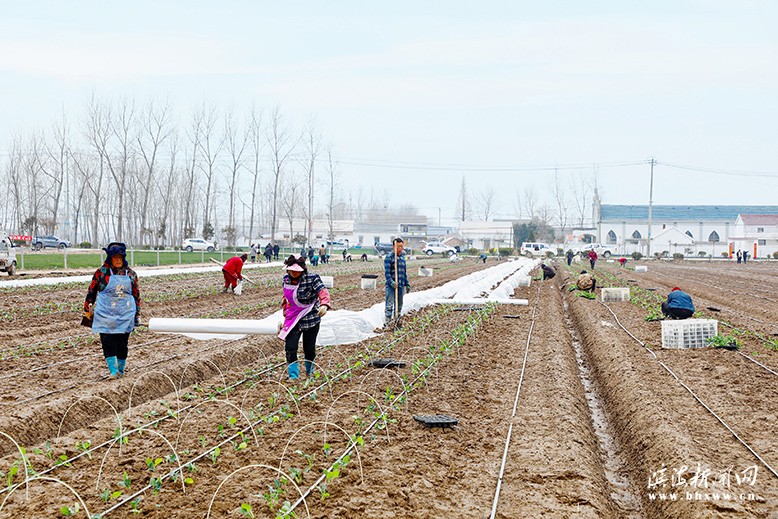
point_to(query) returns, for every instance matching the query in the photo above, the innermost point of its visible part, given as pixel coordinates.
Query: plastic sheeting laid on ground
(346, 326)
(142, 273)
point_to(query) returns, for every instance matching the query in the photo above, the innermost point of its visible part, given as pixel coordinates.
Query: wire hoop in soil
(258, 465)
(53, 480)
(359, 394)
(90, 397)
(334, 349)
(378, 372)
(217, 401)
(141, 431)
(172, 384)
(207, 361)
(271, 381)
(349, 441)
(24, 462)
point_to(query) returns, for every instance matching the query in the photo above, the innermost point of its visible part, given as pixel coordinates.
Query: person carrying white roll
(305, 302)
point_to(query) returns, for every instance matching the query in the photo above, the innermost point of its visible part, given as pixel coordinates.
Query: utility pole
(650, 204)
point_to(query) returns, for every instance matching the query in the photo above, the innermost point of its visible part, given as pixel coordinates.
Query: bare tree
(122, 127)
(560, 200)
(255, 133)
(530, 202)
(290, 200)
(518, 203)
(210, 147)
(332, 180)
(282, 144)
(56, 171)
(312, 150)
(463, 203)
(236, 145)
(155, 129)
(486, 203)
(189, 180)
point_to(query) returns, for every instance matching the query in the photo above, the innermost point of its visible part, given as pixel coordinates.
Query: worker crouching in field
(232, 271)
(548, 272)
(305, 303)
(678, 305)
(113, 305)
(586, 281)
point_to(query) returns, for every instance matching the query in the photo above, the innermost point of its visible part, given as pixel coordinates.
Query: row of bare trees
(136, 172)
(571, 202)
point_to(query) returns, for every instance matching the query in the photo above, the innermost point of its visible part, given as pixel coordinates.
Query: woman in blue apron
(113, 305)
(305, 303)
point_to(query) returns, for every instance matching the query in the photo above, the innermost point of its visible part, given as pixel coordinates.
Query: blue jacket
(680, 299)
(402, 277)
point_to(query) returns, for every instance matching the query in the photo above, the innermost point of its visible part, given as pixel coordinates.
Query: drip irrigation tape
(692, 393)
(515, 404)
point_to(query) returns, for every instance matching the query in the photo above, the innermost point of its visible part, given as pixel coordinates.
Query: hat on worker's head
(295, 263)
(295, 267)
(676, 288)
(114, 248)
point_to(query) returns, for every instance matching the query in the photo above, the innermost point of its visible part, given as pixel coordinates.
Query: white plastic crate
(524, 281)
(425, 272)
(618, 295)
(369, 283)
(641, 268)
(328, 281)
(688, 333)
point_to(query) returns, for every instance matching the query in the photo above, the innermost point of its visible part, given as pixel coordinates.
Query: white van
(535, 248)
(7, 255)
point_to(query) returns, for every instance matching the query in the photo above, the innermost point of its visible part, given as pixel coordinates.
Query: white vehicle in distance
(534, 248)
(435, 247)
(193, 244)
(601, 250)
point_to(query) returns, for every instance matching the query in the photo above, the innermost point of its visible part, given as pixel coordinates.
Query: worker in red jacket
(592, 257)
(231, 271)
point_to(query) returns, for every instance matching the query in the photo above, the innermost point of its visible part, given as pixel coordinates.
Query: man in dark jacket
(276, 250)
(548, 272)
(678, 305)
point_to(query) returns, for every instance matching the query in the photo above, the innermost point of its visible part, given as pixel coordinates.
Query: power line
(730, 172)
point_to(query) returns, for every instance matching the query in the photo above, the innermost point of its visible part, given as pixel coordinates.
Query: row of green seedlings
(651, 302)
(285, 412)
(419, 369)
(420, 322)
(29, 350)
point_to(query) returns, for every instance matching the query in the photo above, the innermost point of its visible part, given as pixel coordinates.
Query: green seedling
(151, 464)
(587, 295)
(654, 315)
(155, 484)
(724, 341)
(126, 482)
(68, 511)
(246, 510)
(135, 504)
(215, 454)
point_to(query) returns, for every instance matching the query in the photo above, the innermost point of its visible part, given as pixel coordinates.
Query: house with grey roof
(711, 228)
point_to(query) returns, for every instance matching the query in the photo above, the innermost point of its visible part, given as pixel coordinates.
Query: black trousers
(115, 344)
(676, 313)
(309, 343)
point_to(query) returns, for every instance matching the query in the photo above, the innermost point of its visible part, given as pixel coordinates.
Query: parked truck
(7, 255)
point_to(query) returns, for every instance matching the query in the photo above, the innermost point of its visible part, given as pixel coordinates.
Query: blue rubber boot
(294, 371)
(120, 365)
(309, 367)
(112, 367)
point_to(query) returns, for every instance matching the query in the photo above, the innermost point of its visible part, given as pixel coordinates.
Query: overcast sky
(438, 89)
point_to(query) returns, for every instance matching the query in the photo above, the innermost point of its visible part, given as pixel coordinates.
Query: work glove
(280, 325)
(393, 285)
(322, 311)
(89, 314)
(137, 319)
(407, 288)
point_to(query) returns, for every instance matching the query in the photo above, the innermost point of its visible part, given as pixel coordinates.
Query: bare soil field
(567, 407)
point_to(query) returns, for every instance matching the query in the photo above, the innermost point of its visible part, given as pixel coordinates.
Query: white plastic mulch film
(347, 326)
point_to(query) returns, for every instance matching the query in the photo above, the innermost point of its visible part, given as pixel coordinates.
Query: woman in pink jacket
(305, 303)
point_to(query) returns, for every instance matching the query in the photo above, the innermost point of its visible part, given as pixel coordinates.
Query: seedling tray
(369, 276)
(387, 363)
(436, 420)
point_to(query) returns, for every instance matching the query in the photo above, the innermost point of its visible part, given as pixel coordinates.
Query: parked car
(435, 247)
(602, 250)
(193, 244)
(7, 255)
(535, 248)
(49, 240)
(383, 249)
